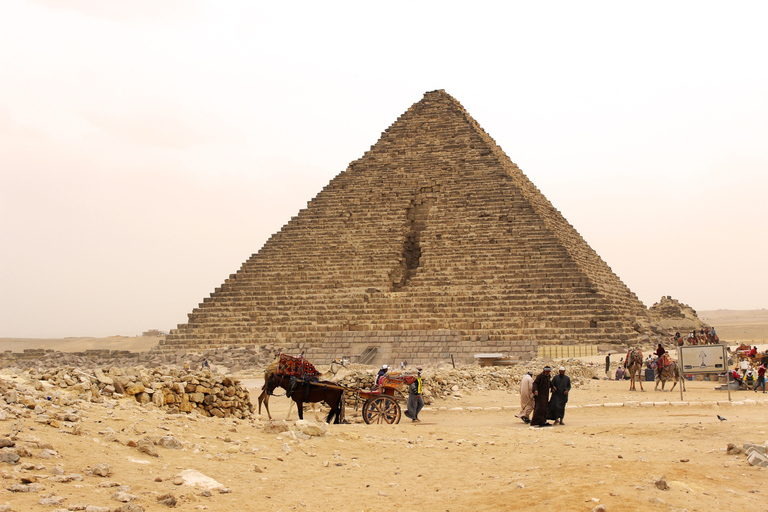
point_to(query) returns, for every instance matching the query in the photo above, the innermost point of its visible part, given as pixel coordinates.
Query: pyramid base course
(414, 347)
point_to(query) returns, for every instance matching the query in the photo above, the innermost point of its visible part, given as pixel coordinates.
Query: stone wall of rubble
(230, 359)
(442, 382)
(446, 382)
(203, 392)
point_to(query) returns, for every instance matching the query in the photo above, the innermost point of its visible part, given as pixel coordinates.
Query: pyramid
(432, 244)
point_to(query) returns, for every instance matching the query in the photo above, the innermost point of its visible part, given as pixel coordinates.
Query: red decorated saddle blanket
(396, 380)
(666, 361)
(295, 367)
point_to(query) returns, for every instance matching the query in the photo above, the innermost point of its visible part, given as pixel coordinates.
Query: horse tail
(336, 414)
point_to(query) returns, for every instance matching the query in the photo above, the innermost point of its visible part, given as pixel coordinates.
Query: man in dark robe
(415, 400)
(659, 361)
(561, 385)
(541, 394)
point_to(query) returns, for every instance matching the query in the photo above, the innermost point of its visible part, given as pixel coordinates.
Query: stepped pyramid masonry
(432, 244)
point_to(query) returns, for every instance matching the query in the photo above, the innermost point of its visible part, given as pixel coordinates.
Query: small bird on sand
(721, 418)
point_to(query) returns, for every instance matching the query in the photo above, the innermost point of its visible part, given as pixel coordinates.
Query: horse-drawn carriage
(381, 402)
(303, 383)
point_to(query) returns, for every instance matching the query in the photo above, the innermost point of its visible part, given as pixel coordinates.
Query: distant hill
(739, 325)
(132, 343)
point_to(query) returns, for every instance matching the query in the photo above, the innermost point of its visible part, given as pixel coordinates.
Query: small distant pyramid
(433, 242)
(672, 315)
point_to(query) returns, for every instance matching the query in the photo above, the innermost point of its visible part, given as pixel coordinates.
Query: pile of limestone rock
(439, 382)
(201, 391)
(755, 453)
(446, 382)
(228, 359)
(22, 400)
(672, 316)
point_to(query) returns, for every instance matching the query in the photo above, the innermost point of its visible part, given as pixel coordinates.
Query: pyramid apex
(437, 95)
(438, 99)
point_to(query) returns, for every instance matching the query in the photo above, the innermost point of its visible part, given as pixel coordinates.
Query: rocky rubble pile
(443, 382)
(38, 467)
(447, 382)
(202, 391)
(228, 359)
(755, 453)
(672, 316)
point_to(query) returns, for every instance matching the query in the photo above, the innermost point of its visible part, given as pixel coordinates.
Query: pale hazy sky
(148, 148)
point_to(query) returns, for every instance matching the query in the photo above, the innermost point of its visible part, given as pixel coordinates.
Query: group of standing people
(535, 397)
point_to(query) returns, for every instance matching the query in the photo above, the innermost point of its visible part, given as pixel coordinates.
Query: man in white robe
(526, 398)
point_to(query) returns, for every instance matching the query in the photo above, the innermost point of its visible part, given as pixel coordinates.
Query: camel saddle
(296, 367)
(665, 361)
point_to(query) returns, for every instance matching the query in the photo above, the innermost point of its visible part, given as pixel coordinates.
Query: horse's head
(270, 384)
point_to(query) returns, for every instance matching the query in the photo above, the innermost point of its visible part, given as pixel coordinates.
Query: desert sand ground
(478, 458)
(454, 460)
(739, 325)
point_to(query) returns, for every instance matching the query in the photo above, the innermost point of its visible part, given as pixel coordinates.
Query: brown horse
(634, 365)
(669, 371)
(271, 371)
(302, 392)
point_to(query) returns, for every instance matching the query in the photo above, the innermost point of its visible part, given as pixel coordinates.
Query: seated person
(619, 373)
(753, 352)
(380, 376)
(749, 379)
(736, 377)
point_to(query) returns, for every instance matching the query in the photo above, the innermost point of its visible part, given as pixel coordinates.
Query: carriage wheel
(381, 409)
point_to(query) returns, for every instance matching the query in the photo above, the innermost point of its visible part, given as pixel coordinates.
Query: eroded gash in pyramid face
(433, 243)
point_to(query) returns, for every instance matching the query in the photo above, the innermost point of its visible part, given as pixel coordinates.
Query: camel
(669, 371)
(634, 364)
(271, 371)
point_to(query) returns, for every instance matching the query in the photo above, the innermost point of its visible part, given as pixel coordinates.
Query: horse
(668, 369)
(634, 364)
(271, 370)
(301, 392)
